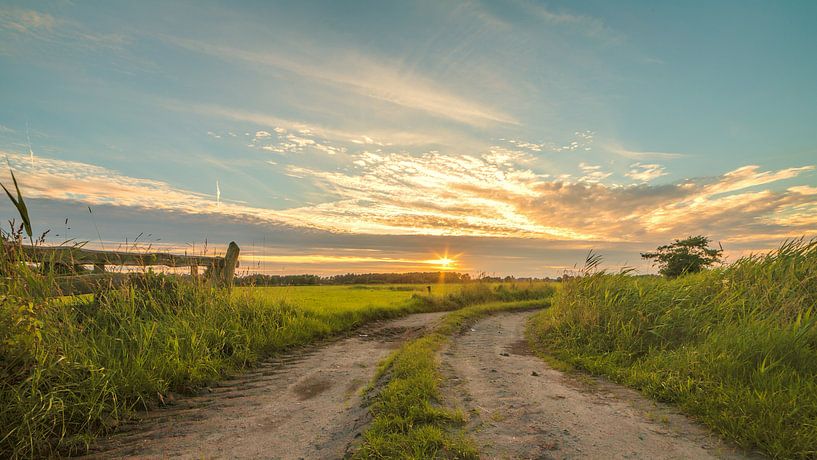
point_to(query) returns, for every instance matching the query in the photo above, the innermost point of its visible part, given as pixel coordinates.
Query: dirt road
(522, 409)
(307, 405)
(303, 405)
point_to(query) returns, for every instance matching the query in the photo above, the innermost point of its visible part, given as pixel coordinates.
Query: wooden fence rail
(220, 270)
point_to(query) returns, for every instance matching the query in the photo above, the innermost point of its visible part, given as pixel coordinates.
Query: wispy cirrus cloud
(365, 77)
(590, 26)
(38, 25)
(642, 155)
(374, 136)
(26, 21)
(751, 176)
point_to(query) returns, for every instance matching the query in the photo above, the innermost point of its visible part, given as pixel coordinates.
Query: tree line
(371, 278)
(353, 278)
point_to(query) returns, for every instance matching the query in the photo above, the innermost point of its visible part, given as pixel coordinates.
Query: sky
(511, 137)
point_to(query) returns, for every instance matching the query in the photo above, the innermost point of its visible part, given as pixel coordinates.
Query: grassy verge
(409, 420)
(75, 367)
(734, 347)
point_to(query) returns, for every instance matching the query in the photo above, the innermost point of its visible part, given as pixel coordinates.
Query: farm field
(344, 297)
(356, 297)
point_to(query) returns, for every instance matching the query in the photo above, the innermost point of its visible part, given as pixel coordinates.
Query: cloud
(713, 203)
(593, 173)
(587, 25)
(379, 137)
(435, 194)
(749, 176)
(367, 78)
(803, 190)
(645, 172)
(489, 195)
(45, 27)
(494, 195)
(284, 142)
(322, 259)
(583, 140)
(642, 155)
(26, 21)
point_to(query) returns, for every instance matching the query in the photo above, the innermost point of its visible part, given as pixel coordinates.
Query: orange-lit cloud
(488, 195)
(319, 259)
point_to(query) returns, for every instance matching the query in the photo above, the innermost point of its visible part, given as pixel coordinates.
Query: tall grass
(72, 368)
(736, 347)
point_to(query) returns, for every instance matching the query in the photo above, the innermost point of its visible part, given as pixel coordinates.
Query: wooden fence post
(230, 262)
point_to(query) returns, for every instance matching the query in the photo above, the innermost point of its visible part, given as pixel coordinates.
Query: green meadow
(345, 297)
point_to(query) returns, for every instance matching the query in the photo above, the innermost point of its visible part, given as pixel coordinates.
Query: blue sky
(358, 136)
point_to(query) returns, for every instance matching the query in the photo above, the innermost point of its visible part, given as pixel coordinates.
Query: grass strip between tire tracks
(410, 420)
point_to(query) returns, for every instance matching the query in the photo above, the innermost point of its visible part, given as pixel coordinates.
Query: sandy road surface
(522, 409)
(302, 405)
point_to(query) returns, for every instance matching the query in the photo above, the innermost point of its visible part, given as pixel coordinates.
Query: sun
(443, 262)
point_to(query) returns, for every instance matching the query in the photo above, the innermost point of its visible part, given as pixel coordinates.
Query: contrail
(30, 151)
(218, 194)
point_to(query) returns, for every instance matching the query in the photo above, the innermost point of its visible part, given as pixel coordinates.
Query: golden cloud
(489, 195)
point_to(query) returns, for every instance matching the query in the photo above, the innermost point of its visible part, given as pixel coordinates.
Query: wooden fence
(65, 259)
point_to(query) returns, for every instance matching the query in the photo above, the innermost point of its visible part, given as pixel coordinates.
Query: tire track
(303, 404)
(520, 408)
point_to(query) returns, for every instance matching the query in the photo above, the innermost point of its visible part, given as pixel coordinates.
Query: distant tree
(684, 256)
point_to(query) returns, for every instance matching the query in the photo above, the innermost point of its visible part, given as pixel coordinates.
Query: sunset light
(443, 263)
(336, 148)
(349, 209)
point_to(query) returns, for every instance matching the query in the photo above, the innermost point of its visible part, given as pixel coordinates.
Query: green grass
(409, 420)
(735, 347)
(342, 297)
(74, 368)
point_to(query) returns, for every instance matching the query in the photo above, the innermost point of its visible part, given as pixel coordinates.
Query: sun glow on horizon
(444, 262)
